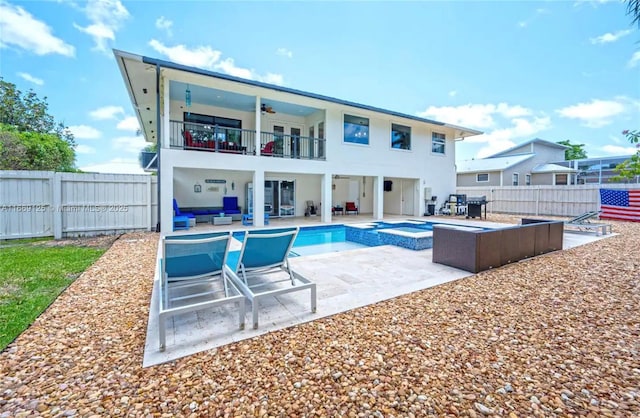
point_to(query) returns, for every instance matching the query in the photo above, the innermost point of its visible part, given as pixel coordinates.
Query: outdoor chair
(583, 223)
(268, 149)
(311, 208)
(350, 207)
(585, 217)
(263, 253)
(182, 220)
(230, 205)
(194, 277)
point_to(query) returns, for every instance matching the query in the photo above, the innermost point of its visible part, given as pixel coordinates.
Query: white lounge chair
(265, 252)
(583, 223)
(194, 277)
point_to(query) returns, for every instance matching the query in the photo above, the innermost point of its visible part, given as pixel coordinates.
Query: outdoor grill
(474, 207)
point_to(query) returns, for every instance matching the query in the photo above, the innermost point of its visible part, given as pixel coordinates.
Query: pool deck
(345, 280)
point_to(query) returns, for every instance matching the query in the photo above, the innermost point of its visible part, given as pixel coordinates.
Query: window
(311, 131)
(400, 137)
(437, 143)
(356, 130)
(562, 179)
(527, 179)
(221, 134)
(482, 177)
(516, 179)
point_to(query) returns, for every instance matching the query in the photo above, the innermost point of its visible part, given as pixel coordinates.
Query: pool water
(404, 226)
(334, 238)
(411, 229)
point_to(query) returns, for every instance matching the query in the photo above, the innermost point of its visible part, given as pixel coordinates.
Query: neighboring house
(527, 164)
(220, 135)
(599, 170)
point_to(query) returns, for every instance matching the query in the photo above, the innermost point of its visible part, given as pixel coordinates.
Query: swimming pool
(415, 235)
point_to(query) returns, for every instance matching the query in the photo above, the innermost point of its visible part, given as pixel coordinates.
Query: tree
(629, 169)
(28, 130)
(633, 9)
(13, 153)
(574, 152)
(34, 151)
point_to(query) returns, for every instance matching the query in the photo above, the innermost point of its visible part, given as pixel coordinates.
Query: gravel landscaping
(557, 335)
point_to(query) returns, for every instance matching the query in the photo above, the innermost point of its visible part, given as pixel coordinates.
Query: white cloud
(85, 149)
(635, 59)
(505, 124)
(130, 144)
(538, 12)
(474, 115)
(208, 58)
(594, 114)
(503, 138)
(272, 78)
(129, 124)
(106, 112)
(228, 66)
(453, 93)
(85, 132)
(106, 17)
(164, 24)
(284, 52)
(618, 150)
(116, 166)
(610, 37)
(19, 28)
(32, 79)
(202, 56)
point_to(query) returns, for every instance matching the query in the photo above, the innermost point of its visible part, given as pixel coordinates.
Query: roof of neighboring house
(551, 168)
(492, 163)
(534, 140)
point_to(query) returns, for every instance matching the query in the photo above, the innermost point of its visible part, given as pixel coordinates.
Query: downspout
(159, 143)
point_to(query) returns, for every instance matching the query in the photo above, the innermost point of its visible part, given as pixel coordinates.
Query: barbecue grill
(474, 207)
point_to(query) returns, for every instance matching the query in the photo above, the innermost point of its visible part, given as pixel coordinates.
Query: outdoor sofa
(476, 250)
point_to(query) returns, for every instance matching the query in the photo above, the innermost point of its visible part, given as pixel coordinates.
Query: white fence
(543, 200)
(45, 203)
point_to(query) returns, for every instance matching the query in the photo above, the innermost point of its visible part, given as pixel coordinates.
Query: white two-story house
(220, 136)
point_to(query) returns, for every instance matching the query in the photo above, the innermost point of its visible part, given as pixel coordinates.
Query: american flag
(620, 204)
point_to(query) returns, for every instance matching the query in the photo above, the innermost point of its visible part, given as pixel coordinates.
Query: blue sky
(514, 70)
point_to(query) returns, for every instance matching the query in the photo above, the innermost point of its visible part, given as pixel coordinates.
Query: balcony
(213, 138)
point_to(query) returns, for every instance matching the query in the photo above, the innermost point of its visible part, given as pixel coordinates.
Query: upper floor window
(437, 143)
(516, 179)
(356, 129)
(527, 179)
(482, 177)
(400, 136)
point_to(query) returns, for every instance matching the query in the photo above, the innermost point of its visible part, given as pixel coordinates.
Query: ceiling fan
(266, 109)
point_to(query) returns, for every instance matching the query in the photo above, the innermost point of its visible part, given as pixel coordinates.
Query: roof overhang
(140, 74)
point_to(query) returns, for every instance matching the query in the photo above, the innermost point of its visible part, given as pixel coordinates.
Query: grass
(31, 277)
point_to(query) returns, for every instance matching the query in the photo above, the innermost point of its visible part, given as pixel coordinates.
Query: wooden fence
(45, 203)
(543, 200)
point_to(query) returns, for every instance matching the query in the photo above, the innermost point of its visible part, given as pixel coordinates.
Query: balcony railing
(291, 146)
(202, 137)
(214, 138)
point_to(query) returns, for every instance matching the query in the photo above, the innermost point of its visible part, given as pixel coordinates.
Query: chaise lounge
(263, 253)
(194, 277)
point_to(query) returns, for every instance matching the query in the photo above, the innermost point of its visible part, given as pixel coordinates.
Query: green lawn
(31, 277)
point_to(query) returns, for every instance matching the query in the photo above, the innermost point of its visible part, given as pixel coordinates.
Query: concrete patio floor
(345, 280)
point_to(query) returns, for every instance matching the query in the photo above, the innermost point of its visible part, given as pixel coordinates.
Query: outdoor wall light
(233, 186)
(197, 188)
